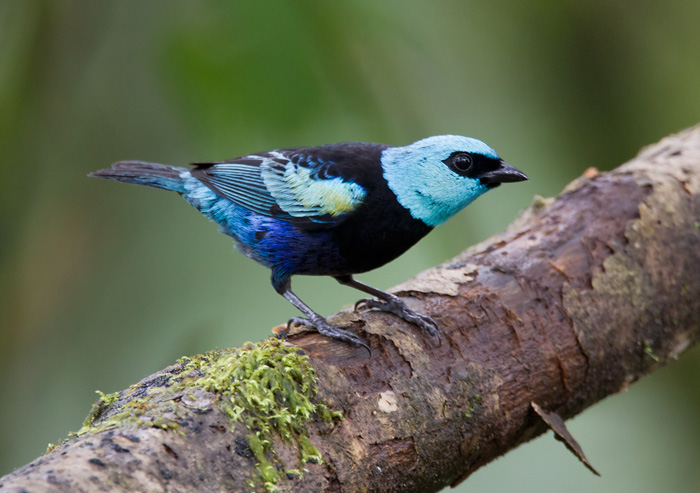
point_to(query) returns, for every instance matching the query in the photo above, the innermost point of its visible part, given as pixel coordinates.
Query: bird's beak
(505, 173)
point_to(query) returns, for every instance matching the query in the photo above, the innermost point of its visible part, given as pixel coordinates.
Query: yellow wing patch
(332, 196)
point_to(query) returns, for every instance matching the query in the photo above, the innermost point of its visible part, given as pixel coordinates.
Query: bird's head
(437, 177)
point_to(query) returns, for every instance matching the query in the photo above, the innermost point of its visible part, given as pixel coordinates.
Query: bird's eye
(461, 163)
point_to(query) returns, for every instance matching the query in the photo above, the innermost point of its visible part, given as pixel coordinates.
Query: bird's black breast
(376, 235)
(380, 229)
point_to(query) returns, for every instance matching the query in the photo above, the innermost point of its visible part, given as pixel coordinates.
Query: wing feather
(300, 190)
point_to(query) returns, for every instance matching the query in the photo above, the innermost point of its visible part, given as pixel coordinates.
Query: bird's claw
(361, 304)
(328, 330)
(399, 308)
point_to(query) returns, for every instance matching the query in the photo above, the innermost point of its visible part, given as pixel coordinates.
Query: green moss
(53, 446)
(539, 203)
(269, 387)
(474, 403)
(139, 413)
(649, 351)
(100, 406)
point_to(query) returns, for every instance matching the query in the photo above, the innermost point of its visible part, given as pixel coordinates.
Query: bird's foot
(399, 308)
(324, 328)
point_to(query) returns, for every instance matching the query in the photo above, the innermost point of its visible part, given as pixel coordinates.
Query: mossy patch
(270, 387)
(474, 403)
(650, 351)
(100, 406)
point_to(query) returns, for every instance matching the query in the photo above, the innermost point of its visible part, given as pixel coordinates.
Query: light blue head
(437, 177)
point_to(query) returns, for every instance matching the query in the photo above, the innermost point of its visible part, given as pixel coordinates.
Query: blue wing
(286, 185)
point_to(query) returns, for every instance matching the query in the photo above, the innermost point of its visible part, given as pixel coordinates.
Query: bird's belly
(284, 248)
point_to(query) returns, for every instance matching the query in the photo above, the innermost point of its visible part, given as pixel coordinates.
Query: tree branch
(581, 296)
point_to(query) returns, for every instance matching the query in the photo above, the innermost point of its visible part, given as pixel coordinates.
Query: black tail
(142, 173)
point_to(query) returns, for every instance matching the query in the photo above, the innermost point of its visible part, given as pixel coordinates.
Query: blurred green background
(102, 284)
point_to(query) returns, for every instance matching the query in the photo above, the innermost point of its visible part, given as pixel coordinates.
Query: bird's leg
(314, 320)
(391, 303)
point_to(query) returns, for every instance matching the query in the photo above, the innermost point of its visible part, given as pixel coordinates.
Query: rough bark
(581, 296)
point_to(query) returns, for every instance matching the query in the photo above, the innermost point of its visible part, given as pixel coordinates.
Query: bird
(333, 210)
